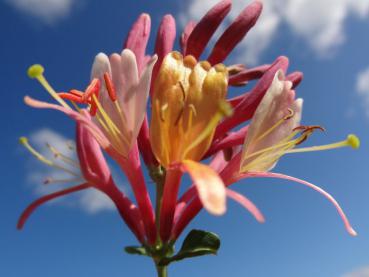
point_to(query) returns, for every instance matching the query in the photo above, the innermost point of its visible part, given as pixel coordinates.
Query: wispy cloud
(91, 201)
(362, 87)
(361, 272)
(320, 23)
(48, 11)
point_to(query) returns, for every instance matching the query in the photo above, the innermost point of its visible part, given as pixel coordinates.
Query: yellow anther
(353, 141)
(42, 158)
(35, 71)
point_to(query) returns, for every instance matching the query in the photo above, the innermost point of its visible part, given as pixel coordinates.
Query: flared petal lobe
(121, 115)
(271, 126)
(210, 187)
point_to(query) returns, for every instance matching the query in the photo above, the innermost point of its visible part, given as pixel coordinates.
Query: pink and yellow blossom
(192, 119)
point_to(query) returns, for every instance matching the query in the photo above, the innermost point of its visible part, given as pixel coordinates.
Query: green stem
(162, 271)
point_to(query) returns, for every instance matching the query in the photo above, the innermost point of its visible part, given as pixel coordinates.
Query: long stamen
(114, 129)
(351, 140)
(36, 71)
(285, 142)
(50, 180)
(224, 110)
(281, 121)
(110, 127)
(43, 159)
(24, 141)
(64, 158)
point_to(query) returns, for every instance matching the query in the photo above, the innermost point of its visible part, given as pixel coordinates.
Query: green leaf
(136, 250)
(197, 243)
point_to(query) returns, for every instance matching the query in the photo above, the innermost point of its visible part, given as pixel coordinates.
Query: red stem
(132, 168)
(169, 201)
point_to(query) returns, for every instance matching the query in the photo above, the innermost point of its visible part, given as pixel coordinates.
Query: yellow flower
(188, 102)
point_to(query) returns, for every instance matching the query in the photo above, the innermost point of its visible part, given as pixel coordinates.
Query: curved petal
(210, 186)
(268, 127)
(99, 136)
(247, 204)
(141, 95)
(346, 222)
(33, 206)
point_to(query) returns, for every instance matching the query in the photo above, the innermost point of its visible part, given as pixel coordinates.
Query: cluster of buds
(192, 121)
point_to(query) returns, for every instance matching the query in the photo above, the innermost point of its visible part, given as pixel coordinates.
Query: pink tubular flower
(192, 119)
(117, 99)
(271, 134)
(95, 174)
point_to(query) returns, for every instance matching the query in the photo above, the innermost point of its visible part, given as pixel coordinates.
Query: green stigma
(23, 140)
(353, 141)
(35, 71)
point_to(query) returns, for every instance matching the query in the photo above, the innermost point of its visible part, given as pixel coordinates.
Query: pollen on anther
(35, 71)
(110, 87)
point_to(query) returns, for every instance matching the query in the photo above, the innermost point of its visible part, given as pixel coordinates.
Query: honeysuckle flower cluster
(192, 120)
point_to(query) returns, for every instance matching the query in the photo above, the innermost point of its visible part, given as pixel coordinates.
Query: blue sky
(303, 235)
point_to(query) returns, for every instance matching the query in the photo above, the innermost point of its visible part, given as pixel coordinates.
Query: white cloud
(362, 272)
(91, 201)
(362, 87)
(320, 23)
(48, 11)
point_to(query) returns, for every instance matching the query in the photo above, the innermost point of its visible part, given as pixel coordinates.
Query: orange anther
(110, 87)
(71, 97)
(92, 89)
(76, 92)
(93, 108)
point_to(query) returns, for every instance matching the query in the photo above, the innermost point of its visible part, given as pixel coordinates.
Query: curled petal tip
(145, 16)
(352, 232)
(216, 210)
(101, 57)
(128, 52)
